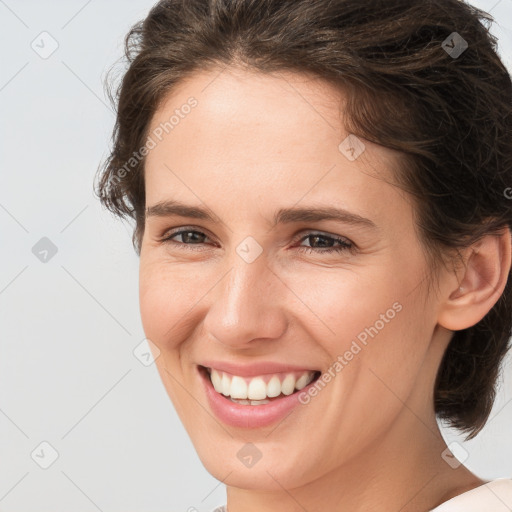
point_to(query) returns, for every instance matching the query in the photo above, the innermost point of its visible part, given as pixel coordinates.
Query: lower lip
(249, 416)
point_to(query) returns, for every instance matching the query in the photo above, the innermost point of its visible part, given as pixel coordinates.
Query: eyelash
(345, 244)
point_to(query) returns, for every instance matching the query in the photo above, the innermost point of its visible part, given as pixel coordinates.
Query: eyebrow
(171, 208)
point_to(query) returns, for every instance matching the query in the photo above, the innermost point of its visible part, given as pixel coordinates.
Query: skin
(368, 441)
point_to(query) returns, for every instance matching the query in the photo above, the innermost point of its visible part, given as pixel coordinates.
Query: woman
(319, 191)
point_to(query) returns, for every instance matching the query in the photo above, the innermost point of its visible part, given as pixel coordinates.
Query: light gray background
(69, 326)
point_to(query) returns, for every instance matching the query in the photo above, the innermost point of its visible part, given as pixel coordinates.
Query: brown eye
(326, 243)
(188, 236)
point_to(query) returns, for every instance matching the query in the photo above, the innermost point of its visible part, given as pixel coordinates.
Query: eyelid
(175, 231)
(302, 235)
(310, 232)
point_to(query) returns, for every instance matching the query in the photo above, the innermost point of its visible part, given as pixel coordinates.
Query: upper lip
(255, 368)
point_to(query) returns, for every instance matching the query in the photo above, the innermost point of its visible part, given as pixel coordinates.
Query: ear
(475, 289)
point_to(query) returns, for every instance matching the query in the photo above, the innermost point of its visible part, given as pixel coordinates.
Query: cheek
(166, 296)
(165, 301)
(345, 304)
(154, 301)
(371, 319)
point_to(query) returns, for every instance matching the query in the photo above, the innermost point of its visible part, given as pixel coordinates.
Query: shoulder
(495, 495)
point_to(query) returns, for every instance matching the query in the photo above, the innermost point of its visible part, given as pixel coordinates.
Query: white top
(494, 496)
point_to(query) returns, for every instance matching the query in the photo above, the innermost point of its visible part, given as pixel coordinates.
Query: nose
(247, 305)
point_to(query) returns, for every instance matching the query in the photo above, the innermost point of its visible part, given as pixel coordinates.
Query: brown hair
(412, 86)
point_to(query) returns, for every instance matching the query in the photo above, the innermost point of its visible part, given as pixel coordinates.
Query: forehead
(260, 112)
(257, 135)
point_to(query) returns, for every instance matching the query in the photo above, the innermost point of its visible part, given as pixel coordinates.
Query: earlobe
(481, 284)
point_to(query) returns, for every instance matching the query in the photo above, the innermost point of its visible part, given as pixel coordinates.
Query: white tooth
(288, 385)
(257, 389)
(238, 387)
(226, 384)
(274, 387)
(216, 381)
(238, 401)
(303, 380)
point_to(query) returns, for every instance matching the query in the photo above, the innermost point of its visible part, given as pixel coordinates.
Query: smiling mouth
(259, 389)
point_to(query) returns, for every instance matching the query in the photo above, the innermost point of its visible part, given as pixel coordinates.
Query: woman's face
(259, 300)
